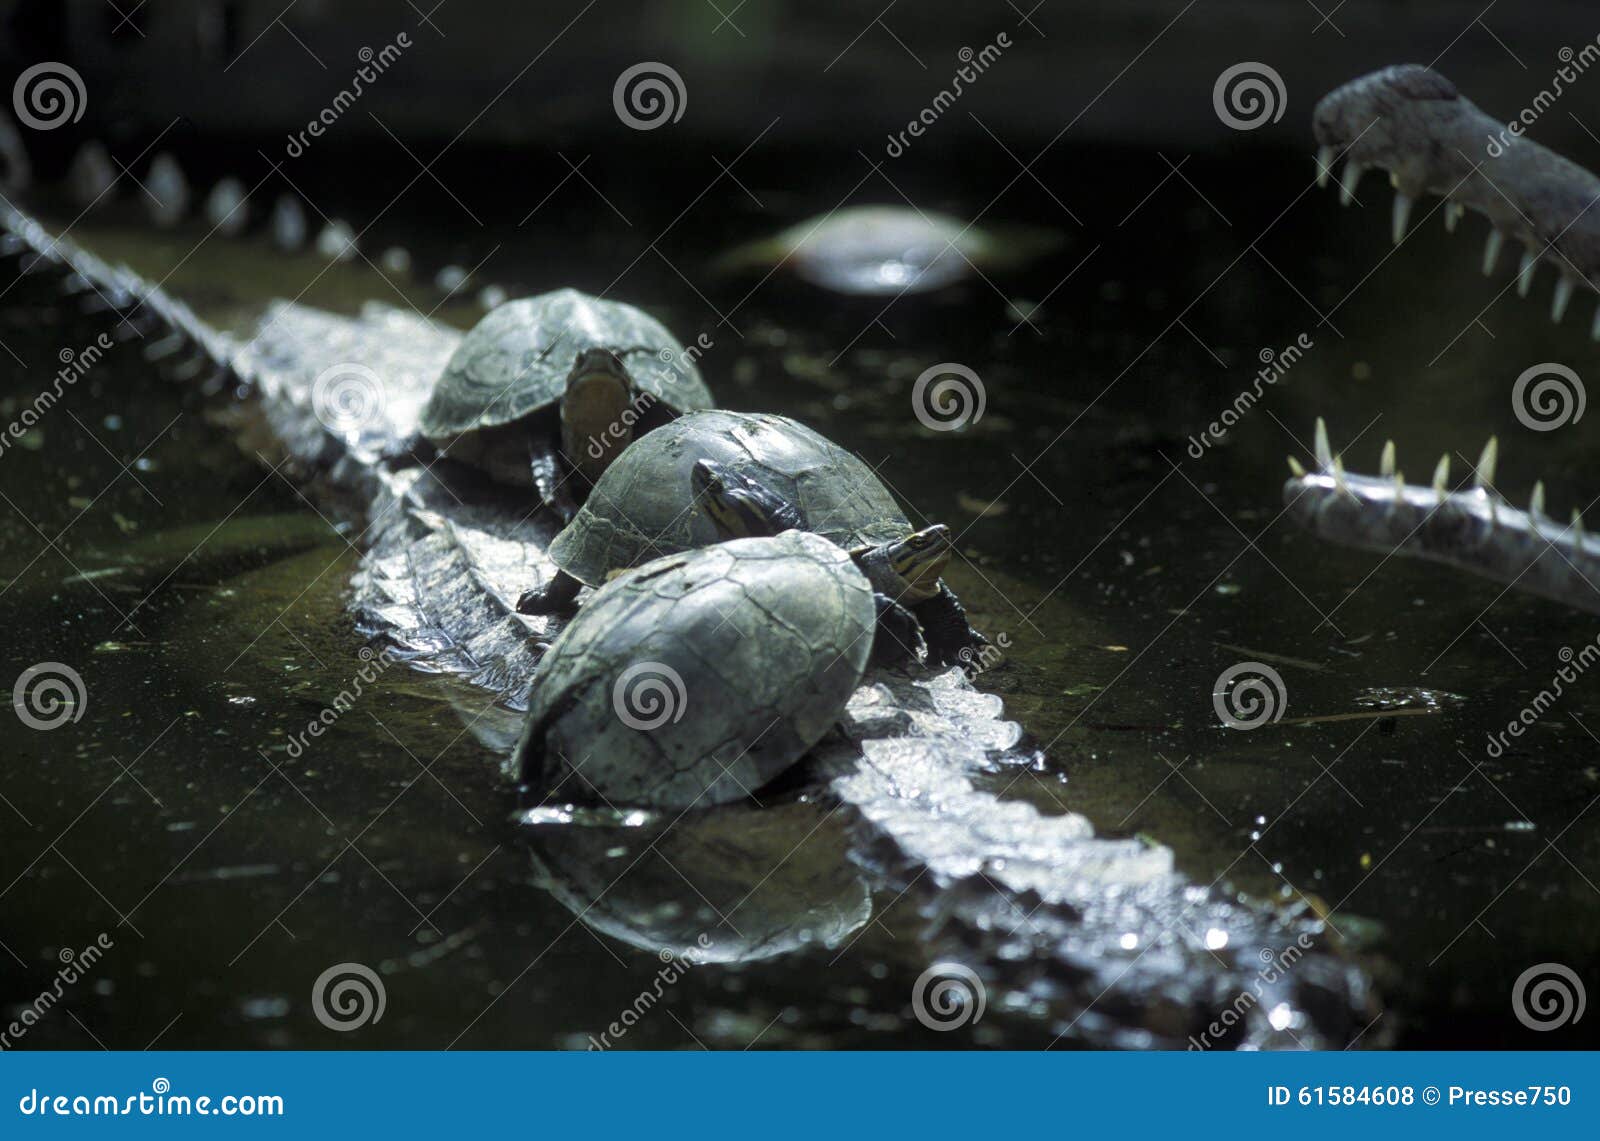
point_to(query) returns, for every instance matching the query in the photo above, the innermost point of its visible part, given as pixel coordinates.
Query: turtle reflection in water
(539, 393)
(654, 501)
(758, 892)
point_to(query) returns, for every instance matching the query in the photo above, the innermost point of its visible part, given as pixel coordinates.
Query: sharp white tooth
(1491, 251)
(1347, 182)
(1577, 525)
(1338, 470)
(1487, 461)
(1399, 485)
(1324, 165)
(1401, 218)
(1441, 474)
(1558, 305)
(1525, 272)
(1536, 504)
(1295, 469)
(1324, 451)
(1386, 464)
(1594, 328)
(1453, 213)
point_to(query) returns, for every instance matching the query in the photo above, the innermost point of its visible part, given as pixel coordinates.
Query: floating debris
(1389, 698)
(91, 576)
(981, 507)
(492, 296)
(1264, 656)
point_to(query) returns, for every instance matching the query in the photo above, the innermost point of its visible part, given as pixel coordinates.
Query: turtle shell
(515, 361)
(643, 506)
(698, 678)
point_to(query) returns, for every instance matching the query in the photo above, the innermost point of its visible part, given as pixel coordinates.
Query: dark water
(199, 596)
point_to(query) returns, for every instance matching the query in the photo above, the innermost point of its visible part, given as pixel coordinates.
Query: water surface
(199, 593)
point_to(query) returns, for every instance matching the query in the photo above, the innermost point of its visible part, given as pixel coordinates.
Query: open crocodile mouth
(1470, 525)
(1412, 122)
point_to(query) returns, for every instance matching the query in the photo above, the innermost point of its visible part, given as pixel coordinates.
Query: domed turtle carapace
(655, 500)
(699, 677)
(538, 392)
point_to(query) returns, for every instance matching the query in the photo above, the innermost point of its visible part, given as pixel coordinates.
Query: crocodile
(1414, 123)
(1085, 940)
(1469, 526)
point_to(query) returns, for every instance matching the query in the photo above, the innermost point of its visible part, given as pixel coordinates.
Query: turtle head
(740, 507)
(914, 562)
(597, 413)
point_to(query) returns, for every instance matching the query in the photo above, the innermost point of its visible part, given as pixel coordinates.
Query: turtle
(537, 394)
(904, 571)
(654, 501)
(697, 678)
(878, 251)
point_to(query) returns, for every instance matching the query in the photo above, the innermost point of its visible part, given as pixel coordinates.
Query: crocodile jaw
(1471, 528)
(1411, 122)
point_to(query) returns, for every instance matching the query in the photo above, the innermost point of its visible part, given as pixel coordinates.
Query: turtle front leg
(555, 597)
(554, 485)
(951, 640)
(898, 637)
